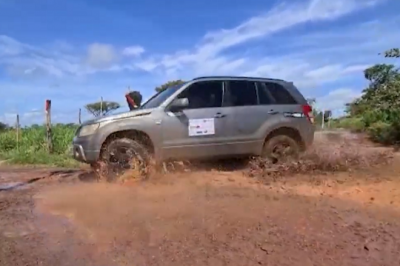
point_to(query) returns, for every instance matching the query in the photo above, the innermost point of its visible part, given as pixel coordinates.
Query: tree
(378, 109)
(394, 52)
(134, 99)
(380, 74)
(169, 84)
(100, 109)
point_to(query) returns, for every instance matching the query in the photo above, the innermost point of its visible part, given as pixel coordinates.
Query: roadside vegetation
(377, 111)
(31, 145)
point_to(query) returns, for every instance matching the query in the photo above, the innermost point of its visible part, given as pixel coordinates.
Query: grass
(31, 147)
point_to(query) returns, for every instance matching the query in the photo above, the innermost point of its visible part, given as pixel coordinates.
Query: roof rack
(239, 77)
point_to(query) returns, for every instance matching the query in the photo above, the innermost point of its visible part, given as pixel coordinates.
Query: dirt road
(202, 218)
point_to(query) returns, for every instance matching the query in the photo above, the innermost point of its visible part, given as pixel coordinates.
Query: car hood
(123, 115)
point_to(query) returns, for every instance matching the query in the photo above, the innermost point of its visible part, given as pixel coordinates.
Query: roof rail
(239, 77)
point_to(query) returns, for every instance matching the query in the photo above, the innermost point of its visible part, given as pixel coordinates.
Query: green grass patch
(31, 147)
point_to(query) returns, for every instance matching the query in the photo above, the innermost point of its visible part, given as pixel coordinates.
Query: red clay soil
(203, 218)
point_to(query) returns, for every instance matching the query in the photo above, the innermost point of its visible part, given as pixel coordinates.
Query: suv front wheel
(280, 148)
(123, 158)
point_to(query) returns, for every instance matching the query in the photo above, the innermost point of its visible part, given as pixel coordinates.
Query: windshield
(160, 97)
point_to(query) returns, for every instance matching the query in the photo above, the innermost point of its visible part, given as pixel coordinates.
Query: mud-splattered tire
(280, 147)
(123, 157)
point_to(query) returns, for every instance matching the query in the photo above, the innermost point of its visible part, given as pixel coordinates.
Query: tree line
(377, 111)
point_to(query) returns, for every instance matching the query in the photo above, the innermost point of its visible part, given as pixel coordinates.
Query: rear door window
(278, 92)
(242, 93)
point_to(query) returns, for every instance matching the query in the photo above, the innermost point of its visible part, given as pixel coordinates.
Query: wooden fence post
(48, 126)
(80, 115)
(17, 131)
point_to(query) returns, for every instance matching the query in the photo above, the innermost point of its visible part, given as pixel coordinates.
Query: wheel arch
(134, 134)
(291, 132)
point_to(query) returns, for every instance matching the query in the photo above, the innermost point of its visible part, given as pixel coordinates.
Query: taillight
(307, 111)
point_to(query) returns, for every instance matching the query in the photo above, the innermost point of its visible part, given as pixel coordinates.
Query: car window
(264, 95)
(204, 94)
(280, 94)
(242, 93)
(160, 97)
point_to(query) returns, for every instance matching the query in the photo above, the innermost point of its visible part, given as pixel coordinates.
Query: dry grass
(331, 152)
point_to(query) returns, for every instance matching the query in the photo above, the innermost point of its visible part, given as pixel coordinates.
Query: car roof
(239, 78)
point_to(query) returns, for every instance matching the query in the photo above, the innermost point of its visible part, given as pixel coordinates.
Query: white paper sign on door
(201, 127)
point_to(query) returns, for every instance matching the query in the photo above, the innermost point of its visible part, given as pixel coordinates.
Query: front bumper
(84, 150)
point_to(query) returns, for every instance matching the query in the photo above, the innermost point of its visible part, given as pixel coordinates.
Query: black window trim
(257, 93)
(224, 93)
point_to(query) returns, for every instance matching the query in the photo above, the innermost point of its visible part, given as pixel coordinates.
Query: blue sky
(76, 51)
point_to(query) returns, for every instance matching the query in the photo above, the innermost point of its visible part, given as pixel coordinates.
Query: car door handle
(219, 115)
(272, 112)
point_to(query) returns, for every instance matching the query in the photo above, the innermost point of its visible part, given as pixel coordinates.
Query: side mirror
(179, 104)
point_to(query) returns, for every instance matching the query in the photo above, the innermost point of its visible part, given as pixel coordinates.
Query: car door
(198, 130)
(247, 116)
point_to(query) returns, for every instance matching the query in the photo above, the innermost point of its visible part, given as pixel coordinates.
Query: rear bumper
(85, 150)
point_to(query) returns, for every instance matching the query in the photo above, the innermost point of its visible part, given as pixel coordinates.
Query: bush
(355, 124)
(380, 132)
(385, 133)
(31, 148)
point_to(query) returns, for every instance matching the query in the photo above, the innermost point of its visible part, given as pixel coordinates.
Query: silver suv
(205, 118)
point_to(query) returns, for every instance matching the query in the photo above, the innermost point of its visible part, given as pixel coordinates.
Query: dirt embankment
(212, 217)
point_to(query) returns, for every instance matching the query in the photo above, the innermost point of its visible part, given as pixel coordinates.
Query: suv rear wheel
(280, 147)
(123, 158)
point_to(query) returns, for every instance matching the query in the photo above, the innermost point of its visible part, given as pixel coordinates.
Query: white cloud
(336, 99)
(23, 59)
(133, 51)
(9, 46)
(101, 55)
(261, 26)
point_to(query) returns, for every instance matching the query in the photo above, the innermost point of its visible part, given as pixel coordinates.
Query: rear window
(277, 92)
(242, 93)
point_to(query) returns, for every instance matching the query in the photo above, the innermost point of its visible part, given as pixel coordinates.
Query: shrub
(380, 132)
(355, 124)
